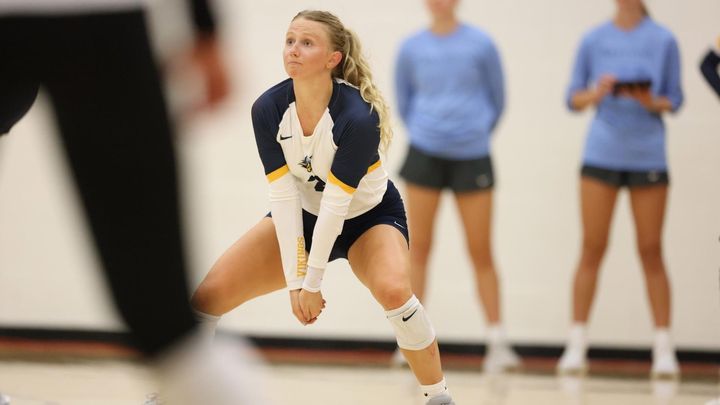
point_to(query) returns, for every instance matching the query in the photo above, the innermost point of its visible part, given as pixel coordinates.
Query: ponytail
(355, 70)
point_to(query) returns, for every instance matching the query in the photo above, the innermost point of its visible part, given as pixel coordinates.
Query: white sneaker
(573, 360)
(150, 399)
(4, 399)
(500, 357)
(225, 373)
(665, 365)
(664, 391)
(442, 399)
(397, 360)
(571, 385)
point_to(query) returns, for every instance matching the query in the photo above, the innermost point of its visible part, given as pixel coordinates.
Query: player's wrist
(313, 279)
(294, 284)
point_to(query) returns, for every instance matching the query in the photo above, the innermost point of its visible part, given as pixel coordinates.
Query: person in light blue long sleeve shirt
(625, 135)
(629, 70)
(450, 91)
(450, 94)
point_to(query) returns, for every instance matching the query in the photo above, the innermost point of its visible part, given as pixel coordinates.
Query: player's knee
(482, 262)
(413, 329)
(392, 295)
(650, 251)
(593, 251)
(207, 297)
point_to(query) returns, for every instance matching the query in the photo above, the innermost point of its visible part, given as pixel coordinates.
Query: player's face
(441, 8)
(307, 51)
(630, 5)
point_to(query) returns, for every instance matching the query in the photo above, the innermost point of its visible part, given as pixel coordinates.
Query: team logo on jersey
(301, 257)
(307, 165)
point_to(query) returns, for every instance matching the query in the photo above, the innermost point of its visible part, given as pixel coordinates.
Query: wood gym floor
(82, 374)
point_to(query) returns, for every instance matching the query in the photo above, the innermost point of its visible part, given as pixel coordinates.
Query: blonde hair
(353, 68)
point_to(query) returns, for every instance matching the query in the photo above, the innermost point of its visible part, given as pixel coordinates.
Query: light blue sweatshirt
(623, 135)
(450, 92)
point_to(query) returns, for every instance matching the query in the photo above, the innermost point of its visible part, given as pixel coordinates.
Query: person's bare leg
(597, 203)
(251, 267)
(648, 206)
(475, 210)
(380, 260)
(422, 204)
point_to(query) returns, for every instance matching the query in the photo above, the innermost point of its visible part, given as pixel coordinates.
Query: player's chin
(293, 70)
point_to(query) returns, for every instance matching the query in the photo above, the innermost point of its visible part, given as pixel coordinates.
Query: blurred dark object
(709, 69)
(16, 98)
(206, 57)
(630, 86)
(206, 54)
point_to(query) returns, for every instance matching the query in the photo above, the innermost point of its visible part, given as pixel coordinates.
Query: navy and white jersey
(334, 173)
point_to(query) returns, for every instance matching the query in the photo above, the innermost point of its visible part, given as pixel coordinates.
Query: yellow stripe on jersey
(276, 174)
(374, 166)
(334, 180)
(301, 257)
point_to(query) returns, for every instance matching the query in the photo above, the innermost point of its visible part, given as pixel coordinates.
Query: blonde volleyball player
(318, 135)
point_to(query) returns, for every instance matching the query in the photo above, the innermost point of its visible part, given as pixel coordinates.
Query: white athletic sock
(207, 324)
(496, 334)
(578, 335)
(434, 390)
(663, 343)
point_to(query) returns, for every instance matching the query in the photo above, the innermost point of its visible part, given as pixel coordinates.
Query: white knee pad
(412, 326)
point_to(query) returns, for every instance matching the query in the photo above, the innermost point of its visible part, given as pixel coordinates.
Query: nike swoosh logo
(409, 316)
(395, 222)
(282, 138)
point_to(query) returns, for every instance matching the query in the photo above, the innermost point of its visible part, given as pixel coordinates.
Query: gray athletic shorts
(620, 178)
(426, 170)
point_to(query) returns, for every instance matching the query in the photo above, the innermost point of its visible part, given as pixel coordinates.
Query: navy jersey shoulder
(273, 102)
(356, 133)
(352, 114)
(267, 112)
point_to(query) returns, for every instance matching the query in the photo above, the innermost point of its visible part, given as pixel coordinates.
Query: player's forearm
(286, 210)
(583, 99)
(333, 211)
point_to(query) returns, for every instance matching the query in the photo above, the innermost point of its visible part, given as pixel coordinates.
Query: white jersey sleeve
(285, 203)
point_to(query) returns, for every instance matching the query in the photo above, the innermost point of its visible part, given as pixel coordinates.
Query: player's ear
(334, 59)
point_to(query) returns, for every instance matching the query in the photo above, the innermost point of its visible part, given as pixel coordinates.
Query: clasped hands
(643, 96)
(306, 305)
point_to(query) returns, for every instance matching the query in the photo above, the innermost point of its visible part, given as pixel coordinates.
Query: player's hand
(644, 97)
(604, 87)
(207, 58)
(295, 304)
(311, 304)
